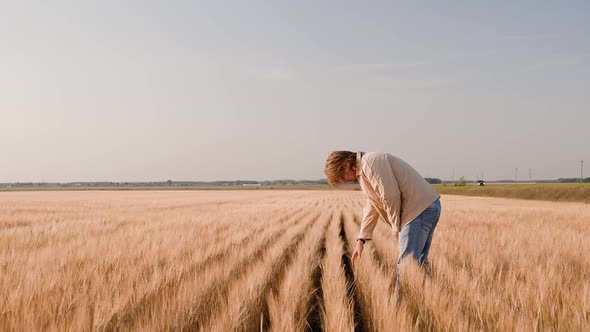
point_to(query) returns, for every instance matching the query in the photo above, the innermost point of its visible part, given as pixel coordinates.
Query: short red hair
(335, 165)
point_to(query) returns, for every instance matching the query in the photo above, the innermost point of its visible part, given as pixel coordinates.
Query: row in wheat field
(279, 261)
(106, 260)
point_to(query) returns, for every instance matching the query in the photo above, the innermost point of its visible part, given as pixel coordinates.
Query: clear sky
(187, 90)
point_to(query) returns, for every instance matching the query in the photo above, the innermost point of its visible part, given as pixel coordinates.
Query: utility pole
(515, 174)
(581, 171)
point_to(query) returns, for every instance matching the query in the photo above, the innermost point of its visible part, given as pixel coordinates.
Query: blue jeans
(415, 238)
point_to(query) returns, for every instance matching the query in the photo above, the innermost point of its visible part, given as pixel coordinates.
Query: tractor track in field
(314, 318)
(214, 295)
(352, 293)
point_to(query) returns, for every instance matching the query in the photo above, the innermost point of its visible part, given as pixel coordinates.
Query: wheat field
(279, 260)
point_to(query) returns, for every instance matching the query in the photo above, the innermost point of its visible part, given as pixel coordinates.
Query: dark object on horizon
(433, 180)
(481, 183)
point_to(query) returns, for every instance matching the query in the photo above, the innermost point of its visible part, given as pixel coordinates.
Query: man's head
(341, 167)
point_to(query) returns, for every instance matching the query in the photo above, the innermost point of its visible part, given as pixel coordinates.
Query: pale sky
(187, 90)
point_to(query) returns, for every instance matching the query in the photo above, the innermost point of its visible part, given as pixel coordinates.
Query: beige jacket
(394, 191)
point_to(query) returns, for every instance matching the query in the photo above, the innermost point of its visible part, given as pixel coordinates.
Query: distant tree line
(171, 183)
(167, 183)
(572, 180)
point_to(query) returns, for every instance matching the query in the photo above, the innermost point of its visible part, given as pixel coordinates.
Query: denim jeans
(415, 238)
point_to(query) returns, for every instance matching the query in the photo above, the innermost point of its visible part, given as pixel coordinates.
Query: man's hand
(358, 250)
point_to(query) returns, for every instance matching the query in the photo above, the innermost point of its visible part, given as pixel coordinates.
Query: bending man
(394, 191)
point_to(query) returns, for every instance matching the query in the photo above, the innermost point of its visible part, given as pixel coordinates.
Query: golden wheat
(279, 261)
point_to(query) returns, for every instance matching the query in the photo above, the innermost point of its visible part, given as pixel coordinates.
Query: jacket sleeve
(385, 184)
(370, 218)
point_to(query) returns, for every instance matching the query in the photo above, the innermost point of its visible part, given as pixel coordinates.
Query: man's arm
(383, 181)
(370, 218)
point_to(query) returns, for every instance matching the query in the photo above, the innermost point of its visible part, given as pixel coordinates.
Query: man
(394, 191)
